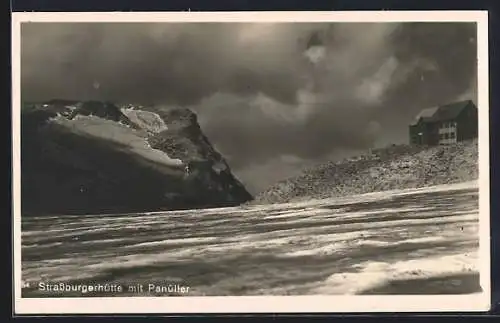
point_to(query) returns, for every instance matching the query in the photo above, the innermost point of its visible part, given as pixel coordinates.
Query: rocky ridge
(393, 167)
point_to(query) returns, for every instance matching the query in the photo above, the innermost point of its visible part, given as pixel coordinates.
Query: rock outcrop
(394, 167)
(96, 157)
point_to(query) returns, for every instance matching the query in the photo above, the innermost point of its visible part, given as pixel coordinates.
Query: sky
(273, 98)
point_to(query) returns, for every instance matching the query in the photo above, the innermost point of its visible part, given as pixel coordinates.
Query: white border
(264, 304)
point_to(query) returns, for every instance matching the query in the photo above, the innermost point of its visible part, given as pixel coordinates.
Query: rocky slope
(96, 157)
(395, 167)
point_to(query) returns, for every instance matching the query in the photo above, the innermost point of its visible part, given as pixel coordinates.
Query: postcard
(251, 162)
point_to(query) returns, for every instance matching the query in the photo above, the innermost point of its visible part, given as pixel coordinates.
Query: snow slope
(134, 140)
(145, 119)
(401, 242)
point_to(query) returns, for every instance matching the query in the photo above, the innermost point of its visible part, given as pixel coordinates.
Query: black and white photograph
(243, 161)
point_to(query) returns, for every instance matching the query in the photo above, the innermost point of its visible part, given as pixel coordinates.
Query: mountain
(393, 167)
(80, 157)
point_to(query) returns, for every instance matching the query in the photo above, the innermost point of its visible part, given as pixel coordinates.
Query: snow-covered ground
(147, 120)
(422, 241)
(132, 140)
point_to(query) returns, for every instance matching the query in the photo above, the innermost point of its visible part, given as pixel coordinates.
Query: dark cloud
(272, 97)
(160, 63)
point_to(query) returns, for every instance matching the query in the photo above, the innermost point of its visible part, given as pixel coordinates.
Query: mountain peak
(93, 156)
